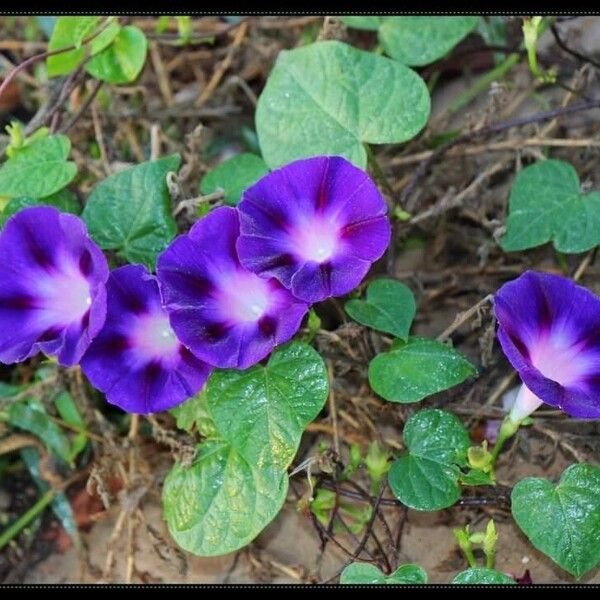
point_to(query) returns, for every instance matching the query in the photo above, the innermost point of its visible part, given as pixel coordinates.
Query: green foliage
(355, 517)
(427, 477)
(222, 502)
(417, 41)
(32, 417)
(418, 368)
(487, 540)
(18, 140)
(117, 54)
(389, 307)
(69, 413)
(64, 200)
(563, 520)
(481, 575)
(60, 503)
(69, 31)
(105, 38)
(233, 176)
(272, 405)
(475, 477)
(365, 573)
(546, 204)
(130, 212)
(377, 462)
(330, 98)
(368, 22)
(533, 28)
(185, 29)
(195, 413)
(38, 169)
(122, 60)
(238, 481)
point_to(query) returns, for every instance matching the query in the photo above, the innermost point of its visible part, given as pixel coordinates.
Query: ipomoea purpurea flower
(316, 225)
(52, 286)
(137, 360)
(549, 329)
(228, 316)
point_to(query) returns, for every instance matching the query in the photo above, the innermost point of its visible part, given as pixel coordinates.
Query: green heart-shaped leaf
(546, 204)
(263, 411)
(39, 169)
(365, 573)
(130, 212)
(427, 477)
(417, 41)
(562, 521)
(416, 369)
(123, 60)
(330, 98)
(238, 481)
(221, 502)
(481, 575)
(233, 176)
(389, 306)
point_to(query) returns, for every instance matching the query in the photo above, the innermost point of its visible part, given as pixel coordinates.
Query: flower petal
(137, 360)
(312, 217)
(226, 315)
(52, 286)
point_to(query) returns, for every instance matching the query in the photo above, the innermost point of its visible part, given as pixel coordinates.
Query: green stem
(484, 82)
(26, 518)
(507, 430)
(470, 557)
(490, 560)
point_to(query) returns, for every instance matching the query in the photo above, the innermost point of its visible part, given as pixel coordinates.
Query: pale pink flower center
(65, 295)
(316, 240)
(559, 359)
(153, 337)
(243, 297)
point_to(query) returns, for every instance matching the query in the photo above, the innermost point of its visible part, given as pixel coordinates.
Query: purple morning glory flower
(52, 286)
(549, 329)
(226, 315)
(137, 360)
(316, 225)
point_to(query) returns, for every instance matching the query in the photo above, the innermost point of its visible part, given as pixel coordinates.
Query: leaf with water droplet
(367, 574)
(221, 502)
(426, 478)
(483, 576)
(562, 520)
(262, 412)
(238, 481)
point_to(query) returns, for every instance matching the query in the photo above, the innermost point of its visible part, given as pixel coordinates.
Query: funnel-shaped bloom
(549, 329)
(226, 315)
(316, 225)
(52, 292)
(137, 360)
